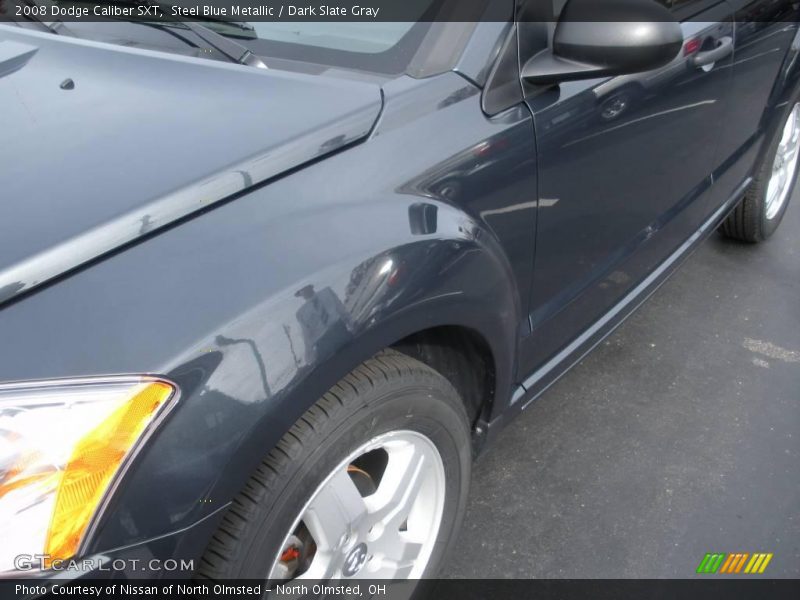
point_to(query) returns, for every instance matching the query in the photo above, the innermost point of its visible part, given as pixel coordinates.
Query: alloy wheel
(784, 165)
(376, 515)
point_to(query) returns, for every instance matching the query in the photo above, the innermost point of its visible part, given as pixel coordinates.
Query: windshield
(369, 38)
(382, 47)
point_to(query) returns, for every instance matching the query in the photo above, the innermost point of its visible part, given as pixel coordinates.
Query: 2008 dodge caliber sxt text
(267, 290)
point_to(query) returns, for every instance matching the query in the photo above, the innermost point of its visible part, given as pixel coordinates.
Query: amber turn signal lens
(94, 462)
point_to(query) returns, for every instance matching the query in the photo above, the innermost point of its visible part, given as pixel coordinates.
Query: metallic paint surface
(255, 307)
(143, 140)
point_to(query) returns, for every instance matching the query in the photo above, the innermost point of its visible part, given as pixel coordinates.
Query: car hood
(104, 144)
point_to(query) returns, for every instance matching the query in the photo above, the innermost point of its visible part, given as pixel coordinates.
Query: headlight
(61, 445)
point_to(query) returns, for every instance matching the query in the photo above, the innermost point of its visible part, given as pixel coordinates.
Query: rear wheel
(370, 483)
(760, 212)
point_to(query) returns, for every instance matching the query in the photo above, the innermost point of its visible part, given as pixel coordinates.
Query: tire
(753, 219)
(389, 399)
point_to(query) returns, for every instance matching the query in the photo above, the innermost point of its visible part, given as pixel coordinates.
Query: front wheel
(760, 212)
(370, 483)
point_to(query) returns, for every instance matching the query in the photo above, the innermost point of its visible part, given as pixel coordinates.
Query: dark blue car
(267, 288)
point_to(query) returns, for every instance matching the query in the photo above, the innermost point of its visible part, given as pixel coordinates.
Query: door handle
(708, 57)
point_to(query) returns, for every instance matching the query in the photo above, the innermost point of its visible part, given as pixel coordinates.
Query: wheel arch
(249, 379)
(463, 357)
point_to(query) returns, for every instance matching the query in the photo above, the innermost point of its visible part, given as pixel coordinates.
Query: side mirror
(597, 38)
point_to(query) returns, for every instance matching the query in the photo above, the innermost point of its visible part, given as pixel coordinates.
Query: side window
(559, 4)
(686, 9)
(682, 4)
(683, 9)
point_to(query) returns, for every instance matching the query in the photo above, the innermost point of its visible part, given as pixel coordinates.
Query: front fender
(257, 306)
(248, 380)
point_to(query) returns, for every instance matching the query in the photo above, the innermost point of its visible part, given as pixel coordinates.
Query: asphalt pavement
(678, 436)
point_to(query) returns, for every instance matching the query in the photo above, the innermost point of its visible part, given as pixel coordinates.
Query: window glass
(352, 37)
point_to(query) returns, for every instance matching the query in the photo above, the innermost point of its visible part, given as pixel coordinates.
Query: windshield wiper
(54, 26)
(232, 49)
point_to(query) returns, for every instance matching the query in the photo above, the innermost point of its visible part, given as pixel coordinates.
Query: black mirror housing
(596, 38)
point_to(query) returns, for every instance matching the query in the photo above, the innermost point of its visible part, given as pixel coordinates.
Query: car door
(765, 30)
(624, 168)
